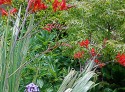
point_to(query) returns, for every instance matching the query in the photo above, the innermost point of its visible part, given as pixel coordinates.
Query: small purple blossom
(32, 88)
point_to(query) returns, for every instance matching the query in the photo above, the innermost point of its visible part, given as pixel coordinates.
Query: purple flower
(32, 88)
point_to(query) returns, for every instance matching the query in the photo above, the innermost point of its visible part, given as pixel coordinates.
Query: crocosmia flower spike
(84, 43)
(36, 5)
(121, 59)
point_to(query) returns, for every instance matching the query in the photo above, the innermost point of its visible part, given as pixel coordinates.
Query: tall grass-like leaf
(13, 54)
(79, 82)
(69, 79)
(84, 83)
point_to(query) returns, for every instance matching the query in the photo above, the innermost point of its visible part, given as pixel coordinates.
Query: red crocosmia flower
(121, 59)
(78, 55)
(1, 2)
(93, 53)
(63, 5)
(84, 43)
(14, 10)
(5, 2)
(4, 12)
(60, 5)
(101, 65)
(36, 5)
(43, 6)
(56, 5)
(96, 61)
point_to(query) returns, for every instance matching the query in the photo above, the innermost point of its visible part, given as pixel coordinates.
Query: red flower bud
(14, 10)
(78, 55)
(101, 65)
(96, 61)
(93, 53)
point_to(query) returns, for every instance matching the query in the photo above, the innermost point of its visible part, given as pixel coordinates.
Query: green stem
(80, 66)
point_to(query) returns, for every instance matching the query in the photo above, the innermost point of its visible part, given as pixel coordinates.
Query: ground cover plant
(62, 46)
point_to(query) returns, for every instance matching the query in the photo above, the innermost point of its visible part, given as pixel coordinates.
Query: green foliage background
(89, 19)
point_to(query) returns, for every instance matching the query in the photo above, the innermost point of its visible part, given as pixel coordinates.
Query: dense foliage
(64, 36)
